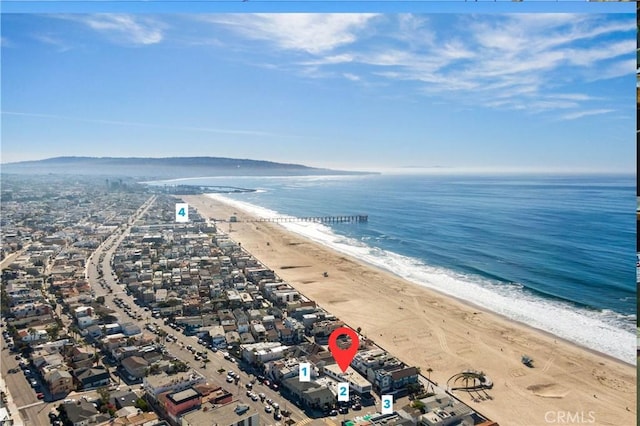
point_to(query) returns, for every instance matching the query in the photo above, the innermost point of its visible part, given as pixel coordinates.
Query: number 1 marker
(305, 372)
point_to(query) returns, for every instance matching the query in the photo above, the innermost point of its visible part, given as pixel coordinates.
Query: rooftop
(184, 395)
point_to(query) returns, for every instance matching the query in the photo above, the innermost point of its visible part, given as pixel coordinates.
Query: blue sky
(358, 91)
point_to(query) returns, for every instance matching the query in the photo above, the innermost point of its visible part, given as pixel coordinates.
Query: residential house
(83, 413)
(135, 367)
(121, 399)
(59, 382)
(130, 329)
(89, 378)
(80, 357)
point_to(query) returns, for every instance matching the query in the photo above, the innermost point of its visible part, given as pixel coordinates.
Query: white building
(263, 352)
(356, 381)
(155, 385)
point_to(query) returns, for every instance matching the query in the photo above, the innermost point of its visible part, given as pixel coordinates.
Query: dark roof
(134, 362)
(405, 372)
(79, 411)
(86, 373)
(123, 399)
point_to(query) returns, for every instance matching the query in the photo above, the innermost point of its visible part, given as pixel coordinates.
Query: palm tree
(430, 370)
(32, 332)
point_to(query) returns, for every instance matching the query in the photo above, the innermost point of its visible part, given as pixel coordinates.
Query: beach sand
(430, 330)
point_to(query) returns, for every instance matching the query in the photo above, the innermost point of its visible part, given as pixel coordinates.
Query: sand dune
(430, 330)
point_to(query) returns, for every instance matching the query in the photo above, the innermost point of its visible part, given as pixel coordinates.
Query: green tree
(418, 405)
(53, 331)
(142, 404)
(100, 300)
(104, 394)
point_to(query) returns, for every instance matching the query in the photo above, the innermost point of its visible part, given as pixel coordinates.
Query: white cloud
(306, 32)
(62, 46)
(615, 69)
(518, 61)
(125, 28)
(580, 114)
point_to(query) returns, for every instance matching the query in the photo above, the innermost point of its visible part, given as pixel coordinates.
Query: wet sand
(430, 330)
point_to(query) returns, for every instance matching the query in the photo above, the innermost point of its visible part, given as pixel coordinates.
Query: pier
(318, 219)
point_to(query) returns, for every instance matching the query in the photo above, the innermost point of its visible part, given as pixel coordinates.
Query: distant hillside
(171, 167)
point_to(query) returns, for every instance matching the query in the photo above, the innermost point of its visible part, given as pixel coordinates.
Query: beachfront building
(369, 362)
(395, 382)
(443, 410)
(357, 382)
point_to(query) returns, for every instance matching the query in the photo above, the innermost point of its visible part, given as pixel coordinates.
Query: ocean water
(554, 252)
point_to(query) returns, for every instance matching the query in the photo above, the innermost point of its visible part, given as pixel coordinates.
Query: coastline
(432, 330)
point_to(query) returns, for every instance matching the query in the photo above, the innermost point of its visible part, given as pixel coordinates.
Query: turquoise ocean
(554, 252)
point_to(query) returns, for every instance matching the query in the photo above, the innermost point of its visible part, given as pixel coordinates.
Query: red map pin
(343, 356)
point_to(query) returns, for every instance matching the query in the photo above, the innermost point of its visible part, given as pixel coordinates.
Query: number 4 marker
(182, 212)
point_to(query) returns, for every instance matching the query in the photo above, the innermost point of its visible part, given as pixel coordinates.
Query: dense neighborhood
(116, 314)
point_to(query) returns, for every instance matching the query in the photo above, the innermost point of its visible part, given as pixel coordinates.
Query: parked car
(268, 408)
(40, 395)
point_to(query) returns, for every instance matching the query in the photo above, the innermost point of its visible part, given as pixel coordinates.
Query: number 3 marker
(387, 404)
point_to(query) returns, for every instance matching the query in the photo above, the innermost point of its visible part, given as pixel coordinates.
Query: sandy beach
(568, 385)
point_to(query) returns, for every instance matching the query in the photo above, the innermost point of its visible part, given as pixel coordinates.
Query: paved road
(178, 348)
(106, 251)
(34, 412)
